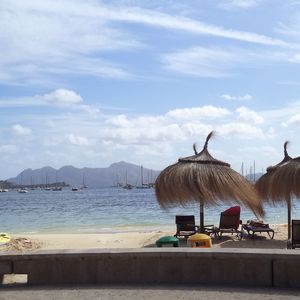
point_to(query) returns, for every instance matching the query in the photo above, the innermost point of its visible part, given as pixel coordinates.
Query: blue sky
(89, 83)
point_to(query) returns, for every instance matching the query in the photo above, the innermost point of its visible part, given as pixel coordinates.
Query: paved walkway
(142, 292)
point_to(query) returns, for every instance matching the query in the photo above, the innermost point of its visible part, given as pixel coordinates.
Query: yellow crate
(199, 240)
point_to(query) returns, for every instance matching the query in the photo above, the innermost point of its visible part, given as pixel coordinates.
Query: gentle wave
(106, 210)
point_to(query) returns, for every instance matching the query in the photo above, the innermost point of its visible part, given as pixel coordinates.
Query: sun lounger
(229, 222)
(253, 227)
(185, 226)
(295, 240)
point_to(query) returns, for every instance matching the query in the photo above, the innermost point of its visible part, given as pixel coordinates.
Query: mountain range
(116, 174)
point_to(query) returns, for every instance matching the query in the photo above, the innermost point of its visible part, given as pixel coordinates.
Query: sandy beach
(133, 239)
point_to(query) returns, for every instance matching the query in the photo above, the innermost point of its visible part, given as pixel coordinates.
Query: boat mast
(142, 179)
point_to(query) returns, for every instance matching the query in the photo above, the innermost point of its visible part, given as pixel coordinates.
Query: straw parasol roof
(204, 179)
(264, 183)
(285, 185)
(286, 180)
(269, 190)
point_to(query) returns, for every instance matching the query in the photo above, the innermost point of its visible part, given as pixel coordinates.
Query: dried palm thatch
(269, 189)
(204, 179)
(264, 183)
(286, 180)
(285, 184)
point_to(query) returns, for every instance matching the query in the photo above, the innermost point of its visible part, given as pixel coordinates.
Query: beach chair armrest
(209, 225)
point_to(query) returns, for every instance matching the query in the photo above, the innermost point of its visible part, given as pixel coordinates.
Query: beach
(134, 239)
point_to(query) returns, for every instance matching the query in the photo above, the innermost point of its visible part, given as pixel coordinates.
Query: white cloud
(162, 138)
(61, 96)
(92, 11)
(71, 37)
(142, 130)
(20, 130)
(292, 28)
(202, 62)
(290, 82)
(293, 120)
(219, 62)
(247, 115)
(118, 121)
(61, 43)
(182, 124)
(241, 130)
(8, 149)
(245, 97)
(153, 18)
(77, 140)
(295, 58)
(239, 3)
(198, 113)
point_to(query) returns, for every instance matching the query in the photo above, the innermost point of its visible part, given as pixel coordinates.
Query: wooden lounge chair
(295, 240)
(185, 226)
(257, 227)
(229, 222)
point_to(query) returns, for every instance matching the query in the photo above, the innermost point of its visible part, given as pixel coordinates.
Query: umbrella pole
(289, 216)
(201, 216)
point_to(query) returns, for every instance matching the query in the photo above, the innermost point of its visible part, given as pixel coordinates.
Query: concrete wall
(234, 267)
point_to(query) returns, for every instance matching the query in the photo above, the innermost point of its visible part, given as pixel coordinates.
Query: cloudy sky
(93, 82)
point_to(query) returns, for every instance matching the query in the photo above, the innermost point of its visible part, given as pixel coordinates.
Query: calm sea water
(109, 209)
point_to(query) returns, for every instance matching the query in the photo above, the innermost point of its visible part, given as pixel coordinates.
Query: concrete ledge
(5, 267)
(234, 267)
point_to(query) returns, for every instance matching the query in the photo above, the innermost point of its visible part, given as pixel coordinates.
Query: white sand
(138, 239)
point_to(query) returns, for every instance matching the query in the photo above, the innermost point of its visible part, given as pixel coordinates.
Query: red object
(233, 211)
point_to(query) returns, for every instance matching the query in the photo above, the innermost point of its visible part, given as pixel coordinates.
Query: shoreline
(112, 230)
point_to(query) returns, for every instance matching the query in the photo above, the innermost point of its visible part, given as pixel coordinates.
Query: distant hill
(92, 177)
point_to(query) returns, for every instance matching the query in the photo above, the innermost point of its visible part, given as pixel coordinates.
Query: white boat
(84, 186)
(22, 191)
(75, 189)
(127, 186)
(143, 185)
(57, 188)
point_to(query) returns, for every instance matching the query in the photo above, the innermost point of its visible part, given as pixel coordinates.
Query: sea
(108, 210)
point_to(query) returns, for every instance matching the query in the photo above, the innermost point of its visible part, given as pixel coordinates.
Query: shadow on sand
(231, 241)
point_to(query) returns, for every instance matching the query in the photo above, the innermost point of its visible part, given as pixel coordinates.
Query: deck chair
(229, 222)
(185, 226)
(295, 241)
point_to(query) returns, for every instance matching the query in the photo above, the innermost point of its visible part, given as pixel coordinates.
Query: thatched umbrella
(270, 191)
(204, 179)
(285, 184)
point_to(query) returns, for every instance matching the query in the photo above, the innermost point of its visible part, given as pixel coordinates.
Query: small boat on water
(143, 185)
(57, 188)
(75, 189)
(22, 191)
(127, 186)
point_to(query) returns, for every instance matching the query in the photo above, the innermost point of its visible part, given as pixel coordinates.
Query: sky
(89, 83)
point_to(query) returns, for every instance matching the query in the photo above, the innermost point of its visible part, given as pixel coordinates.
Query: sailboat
(127, 185)
(84, 186)
(22, 190)
(56, 188)
(143, 185)
(46, 187)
